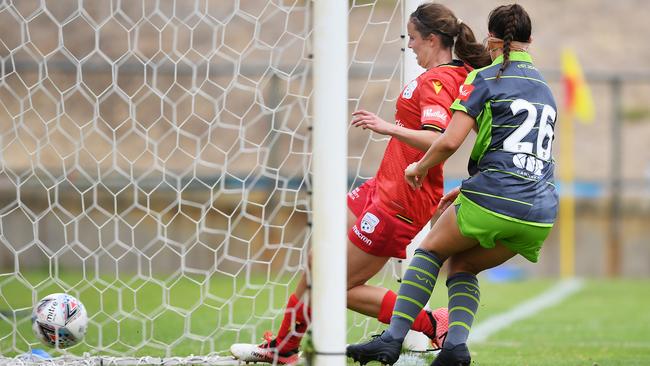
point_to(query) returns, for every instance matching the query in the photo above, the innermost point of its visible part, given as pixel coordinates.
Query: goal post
(330, 182)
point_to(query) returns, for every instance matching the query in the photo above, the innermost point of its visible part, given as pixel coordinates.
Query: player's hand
(414, 175)
(369, 120)
(448, 199)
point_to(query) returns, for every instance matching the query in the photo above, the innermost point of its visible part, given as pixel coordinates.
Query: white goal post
(171, 164)
(328, 300)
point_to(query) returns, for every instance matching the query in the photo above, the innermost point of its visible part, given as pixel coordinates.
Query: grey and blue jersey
(511, 164)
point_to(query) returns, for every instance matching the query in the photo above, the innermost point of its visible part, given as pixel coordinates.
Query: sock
(387, 306)
(422, 322)
(414, 293)
(464, 297)
(294, 324)
(289, 316)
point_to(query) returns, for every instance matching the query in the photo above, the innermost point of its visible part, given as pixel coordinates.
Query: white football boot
(265, 352)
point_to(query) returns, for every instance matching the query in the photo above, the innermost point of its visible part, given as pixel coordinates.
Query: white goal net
(155, 163)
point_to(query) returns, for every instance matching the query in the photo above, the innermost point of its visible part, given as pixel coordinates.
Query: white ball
(59, 320)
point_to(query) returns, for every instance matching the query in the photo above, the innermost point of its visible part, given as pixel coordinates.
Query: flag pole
(567, 201)
(577, 104)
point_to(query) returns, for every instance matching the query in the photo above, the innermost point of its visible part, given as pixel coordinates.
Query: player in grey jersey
(506, 207)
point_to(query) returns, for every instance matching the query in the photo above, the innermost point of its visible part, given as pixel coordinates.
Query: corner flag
(577, 96)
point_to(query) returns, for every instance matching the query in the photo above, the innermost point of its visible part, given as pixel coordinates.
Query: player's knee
(354, 282)
(457, 265)
(351, 294)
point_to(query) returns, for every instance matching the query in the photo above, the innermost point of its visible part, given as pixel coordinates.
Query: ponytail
(433, 18)
(468, 50)
(508, 36)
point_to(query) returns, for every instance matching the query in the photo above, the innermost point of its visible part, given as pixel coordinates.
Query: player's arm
(442, 148)
(470, 103)
(419, 139)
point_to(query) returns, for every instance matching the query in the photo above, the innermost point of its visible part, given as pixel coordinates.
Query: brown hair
(430, 18)
(509, 23)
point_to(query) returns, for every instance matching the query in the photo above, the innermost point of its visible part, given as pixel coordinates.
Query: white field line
(481, 331)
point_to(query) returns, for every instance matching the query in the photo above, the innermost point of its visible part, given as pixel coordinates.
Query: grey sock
(464, 297)
(414, 292)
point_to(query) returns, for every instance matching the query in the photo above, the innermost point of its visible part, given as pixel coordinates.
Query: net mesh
(154, 163)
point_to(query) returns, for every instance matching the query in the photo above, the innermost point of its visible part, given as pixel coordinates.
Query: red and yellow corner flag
(577, 105)
(577, 96)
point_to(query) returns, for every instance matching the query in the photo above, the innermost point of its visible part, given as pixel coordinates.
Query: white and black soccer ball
(59, 320)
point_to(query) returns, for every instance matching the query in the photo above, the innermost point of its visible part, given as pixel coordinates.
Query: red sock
(294, 324)
(422, 322)
(289, 316)
(387, 305)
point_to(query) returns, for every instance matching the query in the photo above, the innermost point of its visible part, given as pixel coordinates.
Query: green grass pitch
(605, 323)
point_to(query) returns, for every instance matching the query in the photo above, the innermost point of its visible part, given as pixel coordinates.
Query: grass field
(605, 323)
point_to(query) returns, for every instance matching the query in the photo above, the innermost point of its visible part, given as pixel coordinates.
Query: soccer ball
(59, 320)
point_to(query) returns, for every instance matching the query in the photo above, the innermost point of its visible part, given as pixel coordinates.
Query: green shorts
(488, 227)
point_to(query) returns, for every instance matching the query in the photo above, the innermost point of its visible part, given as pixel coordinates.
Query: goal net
(155, 163)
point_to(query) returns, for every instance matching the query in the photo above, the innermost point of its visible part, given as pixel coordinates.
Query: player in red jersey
(384, 213)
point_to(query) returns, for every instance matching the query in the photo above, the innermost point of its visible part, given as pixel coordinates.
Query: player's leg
(297, 312)
(416, 289)
(442, 241)
(283, 347)
(361, 267)
(376, 236)
(464, 297)
(500, 239)
(379, 302)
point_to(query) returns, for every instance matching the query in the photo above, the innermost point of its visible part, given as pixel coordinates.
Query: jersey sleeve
(472, 95)
(435, 98)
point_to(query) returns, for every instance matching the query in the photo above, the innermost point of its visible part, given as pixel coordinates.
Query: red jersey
(423, 104)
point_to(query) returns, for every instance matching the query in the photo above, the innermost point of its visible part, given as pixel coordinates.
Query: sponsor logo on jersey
(526, 66)
(437, 86)
(359, 235)
(530, 166)
(354, 194)
(465, 91)
(408, 91)
(369, 222)
(434, 113)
